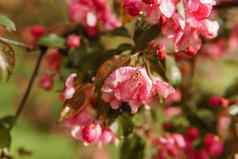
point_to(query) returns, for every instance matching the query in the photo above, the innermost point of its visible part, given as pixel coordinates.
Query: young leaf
(172, 71)
(7, 23)
(53, 41)
(143, 36)
(8, 121)
(7, 61)
(122, 31)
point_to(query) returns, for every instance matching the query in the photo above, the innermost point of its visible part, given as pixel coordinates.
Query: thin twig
(16, 43)
(29, 87)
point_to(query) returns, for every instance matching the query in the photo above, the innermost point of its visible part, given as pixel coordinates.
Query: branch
(16, 43)
(30, 84)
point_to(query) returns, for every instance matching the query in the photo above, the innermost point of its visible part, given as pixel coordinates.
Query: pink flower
(162, 88)
(134, 86)
(167, 8)
(84, 117)
(127, 84)
(171, 145)
(73, 41)
(213, 145)
(70, 86)
(88, 134)
(132, 7)
(174, 97)
(107, 136)
(90, 12)
(171, 112)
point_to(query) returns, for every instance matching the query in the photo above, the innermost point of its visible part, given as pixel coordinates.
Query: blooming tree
(139, 93)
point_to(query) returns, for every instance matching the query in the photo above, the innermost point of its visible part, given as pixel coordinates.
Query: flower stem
(29, 87)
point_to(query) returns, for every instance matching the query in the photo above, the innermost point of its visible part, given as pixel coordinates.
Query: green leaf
(8, 121)
(7, 23)
(144, 34)
(122, 31)
(133, 147)
(173, 73)
(5, 137)
(53, 41)
(7, 61)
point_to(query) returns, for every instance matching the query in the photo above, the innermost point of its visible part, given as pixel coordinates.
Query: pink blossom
(213, 145)
(170, 112)
(183, 21)
(215, 101)
(167, 7)
(37, 31)
(90, 12)
(127, 84)
(174, 97)
(53, 60)
(134, 86)
(70, 86)
(46, 82)
(162, 88)
(73, 41)
(172, 145)
(88, 134)
(133, 7)
(107, 136)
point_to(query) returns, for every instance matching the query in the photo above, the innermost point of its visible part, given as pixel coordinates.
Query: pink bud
(133, 7)
(70, 86)
(73, 41)
(37, 31)
(46, 82)
(91, 31)
(215, 101)
(53, 60)
(161, 53)
(107, 136)
(192, 134)
(191, 51)
(213, 145)
(91, 133)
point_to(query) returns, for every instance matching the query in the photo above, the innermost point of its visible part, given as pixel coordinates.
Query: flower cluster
(82, 120)
(172, 145)
(183, 21)
(181, 146)
(134, 86)
(90, 12)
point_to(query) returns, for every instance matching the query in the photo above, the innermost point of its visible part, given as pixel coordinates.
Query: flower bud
(46, 82)
(73, 41)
